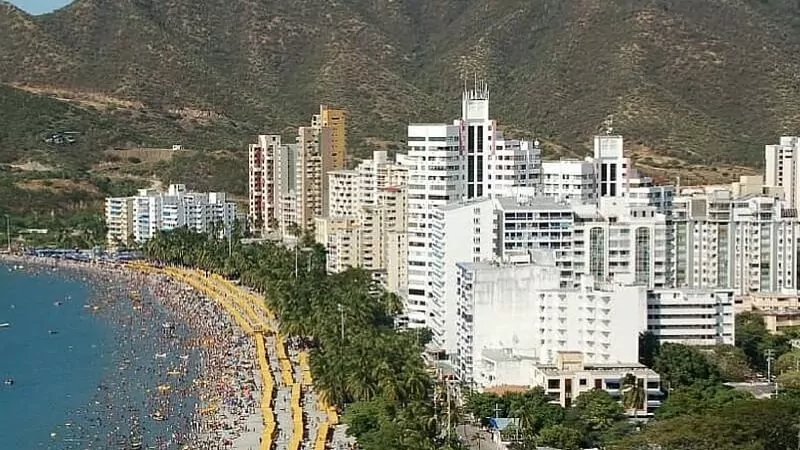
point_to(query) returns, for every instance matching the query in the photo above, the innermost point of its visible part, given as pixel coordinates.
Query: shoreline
(226, 383)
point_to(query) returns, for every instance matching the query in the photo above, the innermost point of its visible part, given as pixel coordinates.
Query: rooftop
(596, 368)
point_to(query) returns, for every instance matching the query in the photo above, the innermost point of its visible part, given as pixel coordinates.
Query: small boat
(184, 357)
(158, 416)
(164, 387)
(8, 381)
(5, 325)
(52, 331)
(173, 373)
(161, 355)
(168, 325)
(58, 303)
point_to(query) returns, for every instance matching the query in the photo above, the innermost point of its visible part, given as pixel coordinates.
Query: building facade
(140, 217)
(523, 310)
(367, 216)
(288, 182)
(448, 163)
(698, 317)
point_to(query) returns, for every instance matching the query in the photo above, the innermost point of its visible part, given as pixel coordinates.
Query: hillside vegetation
(690, 84)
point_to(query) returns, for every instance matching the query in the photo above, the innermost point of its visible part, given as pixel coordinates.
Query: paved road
(475, 438)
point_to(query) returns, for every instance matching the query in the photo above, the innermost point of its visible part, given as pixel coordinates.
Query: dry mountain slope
(704, 81)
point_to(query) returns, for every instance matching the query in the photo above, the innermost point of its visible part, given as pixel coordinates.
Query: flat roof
(596, 369)
(531, 203)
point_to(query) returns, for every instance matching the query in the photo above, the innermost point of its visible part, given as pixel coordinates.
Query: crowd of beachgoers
(185, 373)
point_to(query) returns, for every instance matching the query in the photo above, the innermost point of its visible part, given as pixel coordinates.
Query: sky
(40, 6)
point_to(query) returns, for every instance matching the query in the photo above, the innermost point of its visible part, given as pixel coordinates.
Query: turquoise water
(54, 374)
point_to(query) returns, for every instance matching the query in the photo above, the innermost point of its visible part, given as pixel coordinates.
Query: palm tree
(632, 394)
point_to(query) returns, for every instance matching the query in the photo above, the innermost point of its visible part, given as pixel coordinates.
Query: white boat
(161, 355)
(5, 325)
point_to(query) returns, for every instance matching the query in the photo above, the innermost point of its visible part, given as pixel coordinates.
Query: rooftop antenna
(608, 125)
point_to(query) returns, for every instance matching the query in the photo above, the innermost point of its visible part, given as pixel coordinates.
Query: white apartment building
(749, 243)
(368, 214)
(570, 179)
(702, 317)
(782, 168)
(448, 163)
(461, 232)
(522, 310)
(141, 216)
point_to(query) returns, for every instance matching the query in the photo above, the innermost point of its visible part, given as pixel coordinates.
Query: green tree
(648, 348)
(788, 361)
(599, 417)
(790, 380)
(561, 437)
(731, 362)
(745, 425)
(698, 398)
(681, 365)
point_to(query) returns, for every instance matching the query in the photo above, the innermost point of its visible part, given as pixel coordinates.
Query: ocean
(55, 350)
(84, 365)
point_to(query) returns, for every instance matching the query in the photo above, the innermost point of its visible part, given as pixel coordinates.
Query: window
(582, 382)
(553, 383)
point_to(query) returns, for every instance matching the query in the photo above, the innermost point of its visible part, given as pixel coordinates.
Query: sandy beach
(209, 344)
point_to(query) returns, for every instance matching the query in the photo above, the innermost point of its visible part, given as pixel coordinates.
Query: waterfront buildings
(699, 317)
(367, 220)
(288, 182)
(138, 218)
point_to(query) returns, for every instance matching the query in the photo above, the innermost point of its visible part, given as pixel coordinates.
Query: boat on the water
(158, 416)
(8, 381)
(5, 325)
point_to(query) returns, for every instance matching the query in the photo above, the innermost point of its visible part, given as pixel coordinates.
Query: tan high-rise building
(289, 182)
(314, 161)
(336, 120)
(367, 216)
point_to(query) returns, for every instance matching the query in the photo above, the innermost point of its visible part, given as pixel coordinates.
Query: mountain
(689, 83)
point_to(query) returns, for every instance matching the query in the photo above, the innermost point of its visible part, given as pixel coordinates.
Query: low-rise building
(571, 376)
(701, 317)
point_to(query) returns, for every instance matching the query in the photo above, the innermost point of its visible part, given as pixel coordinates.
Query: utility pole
(770, 354)
(295, 260)
(341, 314)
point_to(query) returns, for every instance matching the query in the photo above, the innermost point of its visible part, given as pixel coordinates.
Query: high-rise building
(749, 244)
(336, 120)
(367, 215)
(140, 217)
(288, 182)
(782, 168)
(447, 163)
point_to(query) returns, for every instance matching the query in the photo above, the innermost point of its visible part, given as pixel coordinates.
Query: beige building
(779, 311)
(336, 121)
(366, 223)
(288, 182)
(569, 377)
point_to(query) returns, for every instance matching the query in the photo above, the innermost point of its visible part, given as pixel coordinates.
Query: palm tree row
(358, 359)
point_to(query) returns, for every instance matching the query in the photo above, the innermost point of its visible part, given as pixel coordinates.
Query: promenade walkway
(293, 417)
